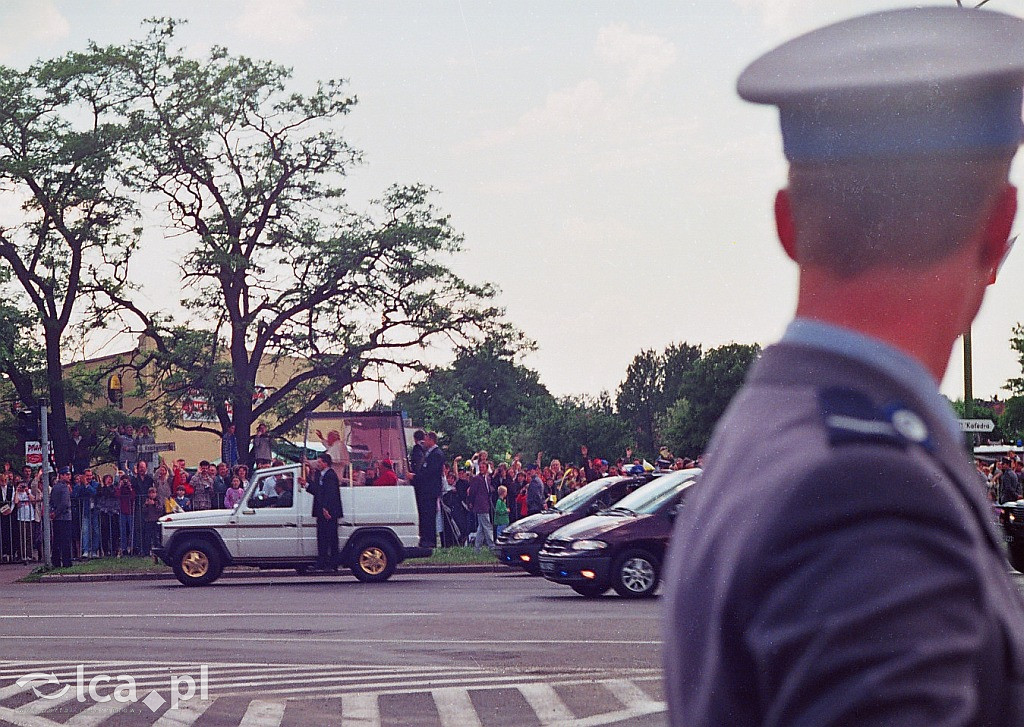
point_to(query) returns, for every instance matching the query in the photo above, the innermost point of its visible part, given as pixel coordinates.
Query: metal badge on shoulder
(851, 416)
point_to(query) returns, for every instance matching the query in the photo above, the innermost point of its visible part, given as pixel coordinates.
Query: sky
(594, 154)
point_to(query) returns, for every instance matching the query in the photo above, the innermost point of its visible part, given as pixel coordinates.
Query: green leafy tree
(62, 144)
(638, 399)
(1011, 421)
(281, 273)
(653, 382)
(560, 429)
(462, 431)
(1016, 385)
(705, 392)
(498, 389)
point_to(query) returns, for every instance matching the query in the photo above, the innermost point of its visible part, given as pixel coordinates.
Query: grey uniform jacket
(834, 569)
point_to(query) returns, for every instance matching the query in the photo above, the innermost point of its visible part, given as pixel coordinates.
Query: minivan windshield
(653, 495)
(578, 498)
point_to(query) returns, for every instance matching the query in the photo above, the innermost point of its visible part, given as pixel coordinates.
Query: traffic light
(28, 424)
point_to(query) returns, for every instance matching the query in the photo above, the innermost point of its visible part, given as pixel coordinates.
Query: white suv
(378, 531)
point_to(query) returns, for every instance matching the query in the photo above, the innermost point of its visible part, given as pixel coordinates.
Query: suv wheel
(589, 590)
(373, 561)
(636, 574)
(197, 563)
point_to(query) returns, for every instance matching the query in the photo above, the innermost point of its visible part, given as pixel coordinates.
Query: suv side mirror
(676, 509)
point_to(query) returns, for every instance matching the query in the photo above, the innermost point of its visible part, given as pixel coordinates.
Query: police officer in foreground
(838, 565)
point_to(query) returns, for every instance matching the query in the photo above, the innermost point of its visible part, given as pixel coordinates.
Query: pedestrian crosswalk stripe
(359, 709)
(96, 714)
(263, 713)
(455, 708)
(272, 688)
(185, 715)
(546, 703)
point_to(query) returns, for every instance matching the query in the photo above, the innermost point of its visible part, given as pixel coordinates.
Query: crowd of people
(116, 514)
(479, 497)
(1004, 478)
(109, 515)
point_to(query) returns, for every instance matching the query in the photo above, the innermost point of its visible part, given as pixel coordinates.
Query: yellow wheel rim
(195, 564)
(373, 561)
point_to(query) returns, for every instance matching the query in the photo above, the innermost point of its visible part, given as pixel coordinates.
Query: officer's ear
(784, 224)
(996, 242)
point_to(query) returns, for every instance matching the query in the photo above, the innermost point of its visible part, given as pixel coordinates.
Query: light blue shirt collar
(907, 371)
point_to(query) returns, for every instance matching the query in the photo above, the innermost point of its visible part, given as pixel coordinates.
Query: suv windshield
(577, 498)
(654, 494)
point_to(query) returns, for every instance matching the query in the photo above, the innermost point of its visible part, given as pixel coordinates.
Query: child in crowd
(521, 502)
(180, 502)
(501, 511)
(234, 494)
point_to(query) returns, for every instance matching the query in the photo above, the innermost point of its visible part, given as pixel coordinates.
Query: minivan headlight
(589, 545)
(524, 536)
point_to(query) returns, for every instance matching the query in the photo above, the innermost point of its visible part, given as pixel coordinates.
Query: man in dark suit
(60, 514)
(427, 483)
(838, 565)
(326, 490)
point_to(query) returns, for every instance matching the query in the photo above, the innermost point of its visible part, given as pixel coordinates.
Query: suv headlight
(524, 536)
(589, 545)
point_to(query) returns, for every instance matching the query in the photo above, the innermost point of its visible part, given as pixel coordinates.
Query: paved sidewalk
(12, 573)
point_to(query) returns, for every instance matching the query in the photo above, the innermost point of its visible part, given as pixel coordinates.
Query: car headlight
(589, 545)
(524, 536)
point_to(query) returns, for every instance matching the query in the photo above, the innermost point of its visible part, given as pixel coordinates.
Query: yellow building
(123, 392)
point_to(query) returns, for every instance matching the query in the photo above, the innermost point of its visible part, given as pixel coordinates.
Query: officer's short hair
(326, 458)
(902, 213)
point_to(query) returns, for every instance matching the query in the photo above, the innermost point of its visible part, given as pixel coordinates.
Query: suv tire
(197, 562)
(635, 574)
(373, 560)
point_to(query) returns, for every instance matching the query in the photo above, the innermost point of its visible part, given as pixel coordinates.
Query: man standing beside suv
(326, 490)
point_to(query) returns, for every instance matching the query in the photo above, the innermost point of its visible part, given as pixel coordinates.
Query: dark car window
(653, 495)
(578, 498)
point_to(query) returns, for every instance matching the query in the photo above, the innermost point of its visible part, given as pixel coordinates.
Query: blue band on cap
(833, 131)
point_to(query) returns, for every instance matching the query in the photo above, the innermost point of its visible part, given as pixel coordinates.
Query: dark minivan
(624, 546)
(521, 541)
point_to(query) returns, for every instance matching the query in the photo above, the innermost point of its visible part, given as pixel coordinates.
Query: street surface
(474, 650)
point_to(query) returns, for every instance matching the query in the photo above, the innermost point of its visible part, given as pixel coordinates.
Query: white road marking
(360, 710)
(455, 708)
(249, 638)
(546, 704)
(212, 614)
(620, 716)
(10, 716)
(38, 706)
(263, 713)
(96, 714)
(309, 678)
(186, 713)
(628, 693)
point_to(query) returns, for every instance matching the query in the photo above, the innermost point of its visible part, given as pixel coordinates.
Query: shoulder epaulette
(850, 416)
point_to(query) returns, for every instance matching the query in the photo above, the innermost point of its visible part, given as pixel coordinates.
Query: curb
(270, 573)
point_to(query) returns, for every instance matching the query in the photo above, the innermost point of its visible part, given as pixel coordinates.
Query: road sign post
(158, 447)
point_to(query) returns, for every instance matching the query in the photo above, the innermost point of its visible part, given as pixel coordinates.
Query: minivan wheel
(197, 563)
(589, 590)
(373, 561)
(636, 574)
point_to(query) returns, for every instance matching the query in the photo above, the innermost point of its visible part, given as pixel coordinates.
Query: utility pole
(44, 438)
(968, 377)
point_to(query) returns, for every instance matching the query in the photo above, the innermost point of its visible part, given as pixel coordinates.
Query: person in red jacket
(386, 473)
